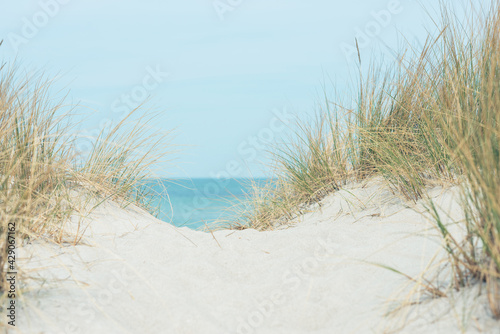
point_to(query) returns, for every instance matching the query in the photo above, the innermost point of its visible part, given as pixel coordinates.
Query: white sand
(135, 274)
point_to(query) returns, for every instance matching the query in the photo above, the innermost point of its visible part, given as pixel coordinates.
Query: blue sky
(221, 72)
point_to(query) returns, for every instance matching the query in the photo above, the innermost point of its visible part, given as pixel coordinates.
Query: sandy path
(139, 275)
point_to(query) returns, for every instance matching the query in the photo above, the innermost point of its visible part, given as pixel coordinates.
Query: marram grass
(39, 170)
(431, 117)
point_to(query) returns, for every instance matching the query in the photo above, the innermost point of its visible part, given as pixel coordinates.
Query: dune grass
(311, 166)
(40, 171)
(431, 117)
(471, 95)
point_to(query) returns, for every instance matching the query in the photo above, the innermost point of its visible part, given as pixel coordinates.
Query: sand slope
(134, 274)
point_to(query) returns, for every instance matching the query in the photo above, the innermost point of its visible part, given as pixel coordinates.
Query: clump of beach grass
(311, 166)
(40, 171)
(119, 165)
(432, 117)
(471, 101)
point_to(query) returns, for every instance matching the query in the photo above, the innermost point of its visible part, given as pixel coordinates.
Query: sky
(228, 76)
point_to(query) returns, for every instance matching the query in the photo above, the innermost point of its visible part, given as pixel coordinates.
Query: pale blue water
(196, 202)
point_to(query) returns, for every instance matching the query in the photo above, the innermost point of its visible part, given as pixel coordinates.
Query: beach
(207, 174)
(324, 273)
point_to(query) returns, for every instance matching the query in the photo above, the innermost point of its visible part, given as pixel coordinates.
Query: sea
(202, 203)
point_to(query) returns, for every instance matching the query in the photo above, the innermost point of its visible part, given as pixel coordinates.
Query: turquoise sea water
(196, 202)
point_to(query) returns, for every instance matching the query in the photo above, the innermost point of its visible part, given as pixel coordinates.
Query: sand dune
(134, 274)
